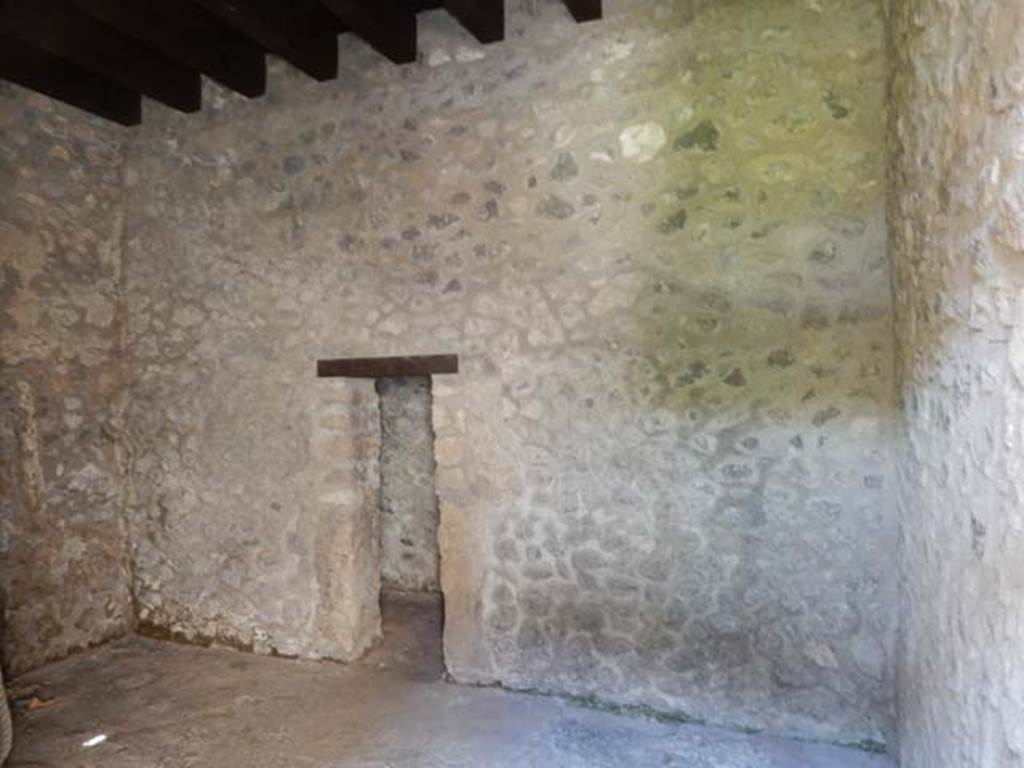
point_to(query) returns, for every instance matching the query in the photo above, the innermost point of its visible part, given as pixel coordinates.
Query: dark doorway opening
(412, 605)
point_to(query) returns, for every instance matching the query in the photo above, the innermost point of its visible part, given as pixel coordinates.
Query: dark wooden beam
(66, 33)
(301, 32)
(485, 19)
(584, 10)
(388, 25)
(377, 367)
(189, 35)
(65, 81)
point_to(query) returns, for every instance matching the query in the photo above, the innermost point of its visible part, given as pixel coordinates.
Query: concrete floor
(168, 706)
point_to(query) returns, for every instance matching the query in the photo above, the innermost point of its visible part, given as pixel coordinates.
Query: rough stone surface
(957, 233)
(64, 557)
(275, 546)
(408, 496)
(664, 470)
(165, 705)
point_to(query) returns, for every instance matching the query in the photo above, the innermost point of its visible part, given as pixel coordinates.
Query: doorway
(412, 605)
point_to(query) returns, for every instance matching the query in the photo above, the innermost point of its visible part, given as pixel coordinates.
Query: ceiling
(103, 56)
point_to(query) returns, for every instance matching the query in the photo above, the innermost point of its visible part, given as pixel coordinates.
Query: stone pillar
(476, 480)
(347, 551)
(957, 238)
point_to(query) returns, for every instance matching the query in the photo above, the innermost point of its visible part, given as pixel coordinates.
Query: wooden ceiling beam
(66, 81)
(189, 35)
(584, 10)
(485, 19)
(299, 31)
(160, 49)
(387, 25)
(66, 33)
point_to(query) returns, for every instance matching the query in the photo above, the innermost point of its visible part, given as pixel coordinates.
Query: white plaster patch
(642, 142)
(821, 654)
(465, 54)
(617, 50)
(438, 57)
(618, 293)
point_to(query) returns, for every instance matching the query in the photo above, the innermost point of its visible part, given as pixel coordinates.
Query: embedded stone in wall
(408, 499)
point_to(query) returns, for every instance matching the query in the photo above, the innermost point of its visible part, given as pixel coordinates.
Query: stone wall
(957, 236)
(657, 244)
(408, 494)
(256, 521)
(64, 556)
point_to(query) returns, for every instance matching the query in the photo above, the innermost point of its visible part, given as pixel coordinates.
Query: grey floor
(161, 705)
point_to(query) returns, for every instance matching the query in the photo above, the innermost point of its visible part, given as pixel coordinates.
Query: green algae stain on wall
(766, 285)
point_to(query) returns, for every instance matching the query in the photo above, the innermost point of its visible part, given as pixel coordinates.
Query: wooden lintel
(378, 367)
